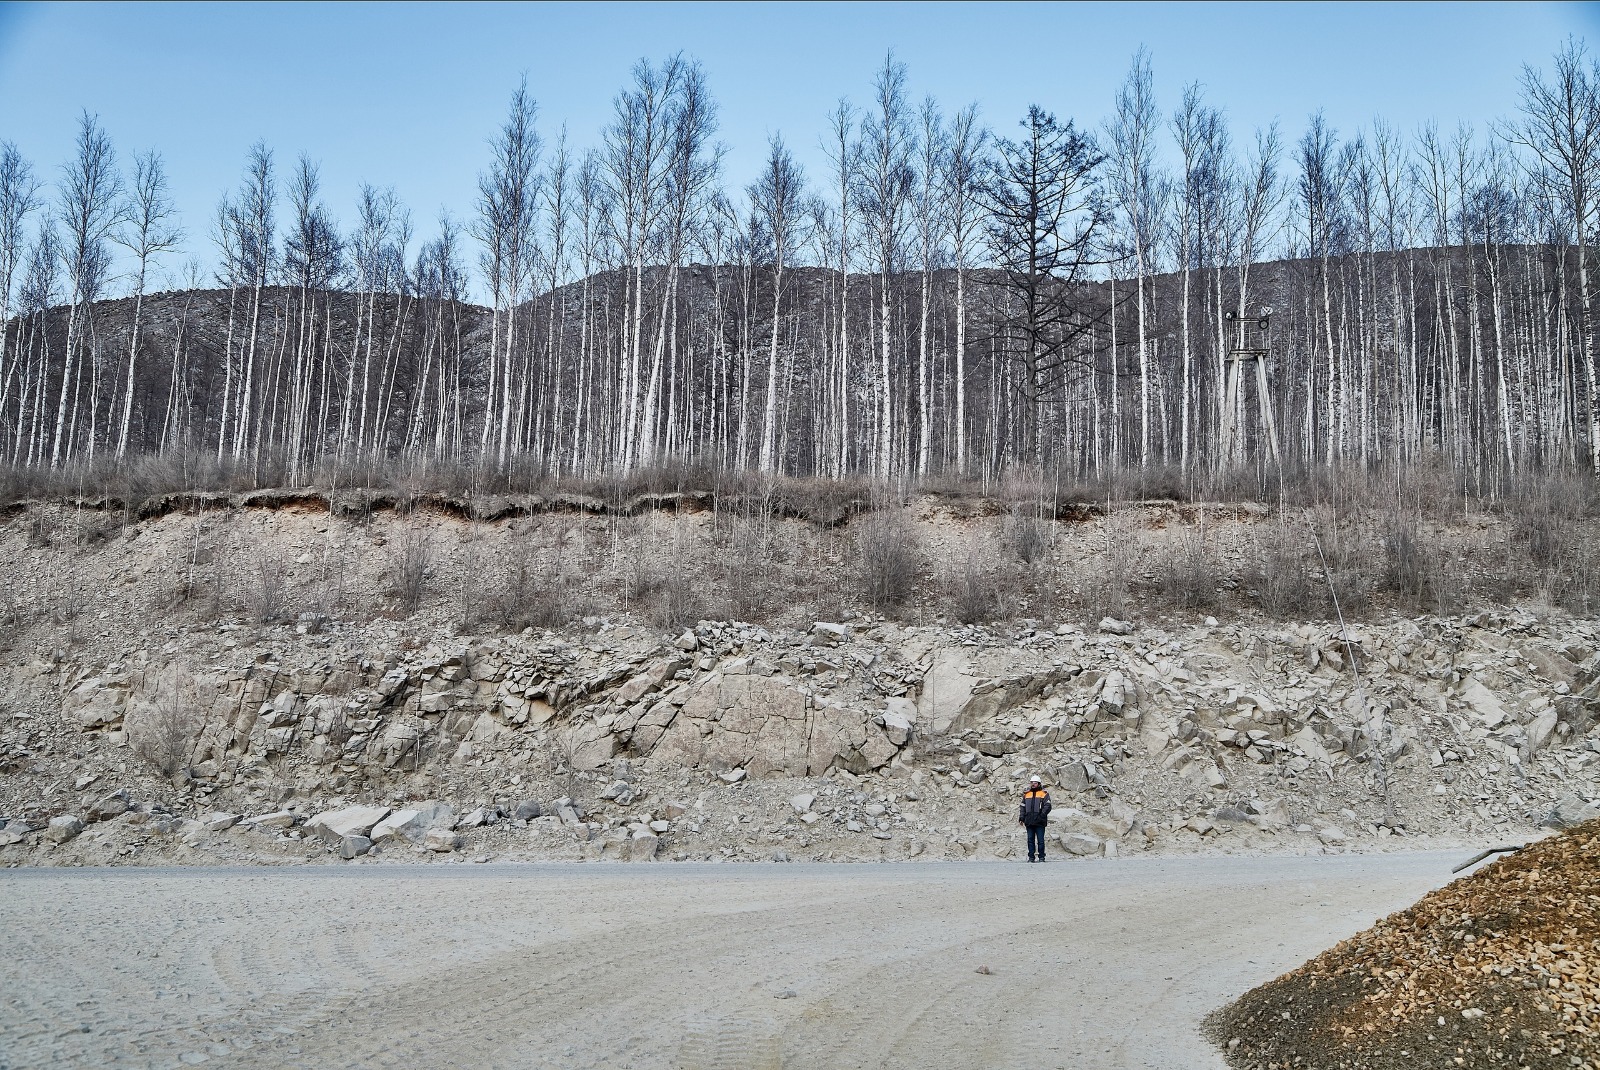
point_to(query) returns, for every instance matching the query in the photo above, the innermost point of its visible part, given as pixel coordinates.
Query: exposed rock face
(767, 724)
(1482, 723)
(946, 690)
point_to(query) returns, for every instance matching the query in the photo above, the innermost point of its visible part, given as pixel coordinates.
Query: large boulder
(644, 725)
(98, 702)
(412, 823)
(649, 680)
(527, 810)
(62, 829)
(897, 720)
(643, 844)
(400, 743)
(1082, 844)
(1067, 820)
(113, 805)
(278, 819)
(435, 814)
(1571, 810)
(401, 826)
(591, 744)
(442, 841)
(333, 826)
(354, 847)
(1540, 730)
(824, 633)
(1483, 702)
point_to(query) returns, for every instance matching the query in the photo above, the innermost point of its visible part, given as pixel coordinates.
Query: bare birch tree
(781, 209)
(148, 231)
(89, 199)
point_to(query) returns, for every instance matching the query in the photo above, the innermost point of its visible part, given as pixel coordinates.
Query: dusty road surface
(1091, 964)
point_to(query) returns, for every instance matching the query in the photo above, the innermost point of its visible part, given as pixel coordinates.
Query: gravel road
(1090, 964)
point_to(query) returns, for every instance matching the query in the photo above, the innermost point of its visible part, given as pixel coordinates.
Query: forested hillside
(949, 301)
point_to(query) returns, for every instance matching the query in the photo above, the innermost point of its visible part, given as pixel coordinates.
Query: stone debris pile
(1500, 968)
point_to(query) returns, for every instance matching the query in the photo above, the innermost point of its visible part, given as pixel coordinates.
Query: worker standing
(1035, 816)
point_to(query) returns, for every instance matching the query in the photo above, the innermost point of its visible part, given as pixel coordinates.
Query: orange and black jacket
(1035, 807)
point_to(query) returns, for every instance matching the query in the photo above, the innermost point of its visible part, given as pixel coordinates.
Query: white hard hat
(1035, 780)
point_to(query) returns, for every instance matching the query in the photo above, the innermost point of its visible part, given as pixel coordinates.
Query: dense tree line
(946, 300)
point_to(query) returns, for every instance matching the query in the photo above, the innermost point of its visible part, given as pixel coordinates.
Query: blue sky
(407, 95)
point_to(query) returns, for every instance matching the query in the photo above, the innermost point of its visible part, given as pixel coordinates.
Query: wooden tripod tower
(1254, 351)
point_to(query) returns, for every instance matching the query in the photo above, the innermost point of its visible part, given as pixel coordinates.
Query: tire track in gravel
(559, 982)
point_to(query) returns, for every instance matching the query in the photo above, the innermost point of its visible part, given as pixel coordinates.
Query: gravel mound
(1498, 969)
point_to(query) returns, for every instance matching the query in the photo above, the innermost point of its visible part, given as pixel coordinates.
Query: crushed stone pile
(1498, 969)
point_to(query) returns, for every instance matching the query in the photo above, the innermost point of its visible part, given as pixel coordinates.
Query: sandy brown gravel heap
(1499, 969)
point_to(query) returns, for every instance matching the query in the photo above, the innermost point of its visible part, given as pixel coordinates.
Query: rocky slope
(134, 727)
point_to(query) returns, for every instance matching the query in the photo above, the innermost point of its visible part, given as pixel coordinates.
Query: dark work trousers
(1035, 842)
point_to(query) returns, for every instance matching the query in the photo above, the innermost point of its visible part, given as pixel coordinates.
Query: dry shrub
(68, 595)
(41, 534)
(672, 601)
(529, 595)
(409, 568)
(887, 559)
(1407, 565)
(12, 619)
(1106, 592)
(95, 530)
(1573, 580)
(1418, 567)
(1280, 577)
(266, 587)
(1026, 533)
(331, 595)
(1500, 579)
(185, 586)
(164, 732)
(827, 502)
(1541, 528)
(1345, 554)
(663, 589)
(975, 596)
(1188, 571)
(747, 560)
